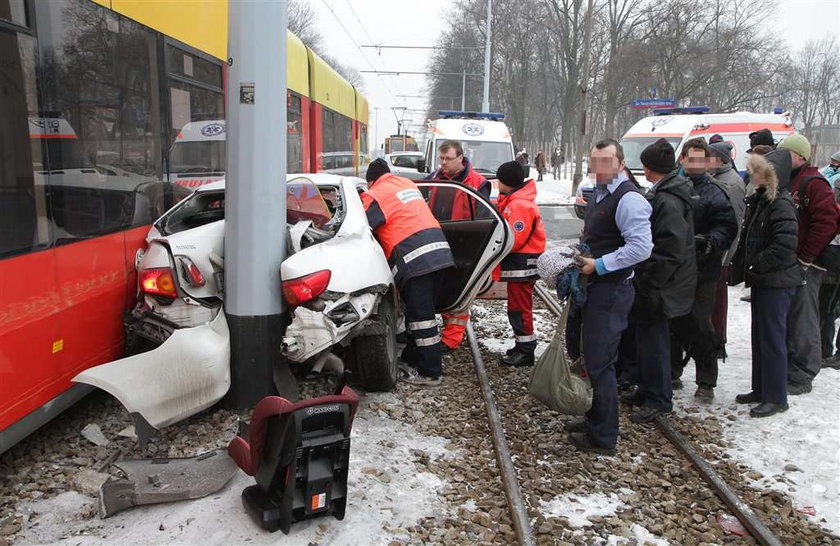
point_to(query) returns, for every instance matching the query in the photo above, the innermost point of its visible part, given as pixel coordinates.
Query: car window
(408, 161)
(485, 157)
(305, 202)
(633, 147)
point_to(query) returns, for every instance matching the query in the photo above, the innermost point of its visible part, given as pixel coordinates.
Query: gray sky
(420, 22)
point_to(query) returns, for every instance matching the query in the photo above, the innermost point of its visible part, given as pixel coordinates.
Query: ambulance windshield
(633, 147)
(486, 157)
(197, 156)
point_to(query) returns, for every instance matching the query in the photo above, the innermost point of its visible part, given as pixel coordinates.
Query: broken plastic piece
(731, 525)
(152, 481)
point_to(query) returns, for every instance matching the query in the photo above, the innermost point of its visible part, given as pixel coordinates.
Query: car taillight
(191, 272)
(303, 289)
(158, 281)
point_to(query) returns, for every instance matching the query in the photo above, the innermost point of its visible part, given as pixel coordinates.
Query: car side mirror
(421, 165)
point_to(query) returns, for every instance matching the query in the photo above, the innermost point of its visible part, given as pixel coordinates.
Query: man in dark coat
(817, 218)
(715, 227)
(665, 283)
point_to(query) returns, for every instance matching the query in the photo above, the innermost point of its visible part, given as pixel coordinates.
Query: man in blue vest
(618, 232)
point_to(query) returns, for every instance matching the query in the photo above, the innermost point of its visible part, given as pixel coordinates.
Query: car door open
(477, 234)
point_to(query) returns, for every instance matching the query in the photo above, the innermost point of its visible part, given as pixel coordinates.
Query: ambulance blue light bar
(778, 110)
(449, 114)
(682, 110)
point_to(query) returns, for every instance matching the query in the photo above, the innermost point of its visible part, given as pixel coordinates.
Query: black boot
(766, 409)
(518, 359)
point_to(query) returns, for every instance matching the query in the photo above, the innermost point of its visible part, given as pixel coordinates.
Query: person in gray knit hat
(721, 167)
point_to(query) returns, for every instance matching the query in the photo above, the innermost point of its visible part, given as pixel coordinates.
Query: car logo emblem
(472, 129)
(212, 129)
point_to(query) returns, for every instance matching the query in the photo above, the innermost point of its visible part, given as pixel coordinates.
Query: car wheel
(580, 212)
(374, 356)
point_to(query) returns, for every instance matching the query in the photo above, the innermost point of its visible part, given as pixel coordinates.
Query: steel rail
(739, 508)
(518, 511)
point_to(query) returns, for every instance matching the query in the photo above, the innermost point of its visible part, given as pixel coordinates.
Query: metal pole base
(256, 361)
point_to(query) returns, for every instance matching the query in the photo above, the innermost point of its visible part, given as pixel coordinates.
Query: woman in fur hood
(766, 261)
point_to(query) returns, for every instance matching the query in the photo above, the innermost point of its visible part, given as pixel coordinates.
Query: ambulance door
(477, 234)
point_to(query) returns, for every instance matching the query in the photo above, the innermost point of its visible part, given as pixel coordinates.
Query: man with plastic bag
(665, 283)
(617, 231)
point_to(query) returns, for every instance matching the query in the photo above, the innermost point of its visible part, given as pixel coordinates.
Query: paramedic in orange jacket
(517, 202)
(454, 166)
(418, 253)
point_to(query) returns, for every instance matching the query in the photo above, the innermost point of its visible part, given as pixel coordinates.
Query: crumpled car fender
(189, 372)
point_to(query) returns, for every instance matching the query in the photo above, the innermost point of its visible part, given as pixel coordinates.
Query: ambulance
(678, 125)
(197, 156)
(485, 138)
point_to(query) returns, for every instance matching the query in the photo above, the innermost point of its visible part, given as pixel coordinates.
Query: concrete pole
(255, 200)
(584, 87)
(485, 101)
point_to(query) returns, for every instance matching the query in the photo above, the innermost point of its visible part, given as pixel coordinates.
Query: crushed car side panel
(186, 374)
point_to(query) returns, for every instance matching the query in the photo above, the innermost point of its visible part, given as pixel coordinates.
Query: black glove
(703, 244)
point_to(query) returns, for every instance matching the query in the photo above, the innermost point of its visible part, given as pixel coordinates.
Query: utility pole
(485, 100)
(463, 91)
(584, 88)
(376, 128)
(255, 204)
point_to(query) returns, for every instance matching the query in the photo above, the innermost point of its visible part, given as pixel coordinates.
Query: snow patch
(806, 436)
(379, 507)
(578, 508)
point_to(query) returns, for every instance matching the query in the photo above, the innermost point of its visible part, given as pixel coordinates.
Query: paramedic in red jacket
(519, 268)
(454, 166)
(816, 211)
(418, 253)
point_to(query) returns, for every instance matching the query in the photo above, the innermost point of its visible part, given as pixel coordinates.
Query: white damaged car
(343, 305)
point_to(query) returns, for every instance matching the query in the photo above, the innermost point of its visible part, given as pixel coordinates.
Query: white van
(197, 156)
(678, 125)
(485, 138)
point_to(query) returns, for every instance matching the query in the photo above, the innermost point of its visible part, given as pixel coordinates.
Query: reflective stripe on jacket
(520, 210)
(409, 235)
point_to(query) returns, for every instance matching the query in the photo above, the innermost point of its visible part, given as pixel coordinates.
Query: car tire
(580, 212)
(374, 356)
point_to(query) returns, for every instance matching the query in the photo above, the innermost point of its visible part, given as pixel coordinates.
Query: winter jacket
(447, 204)
(468, 177)
(766, 255)
(816, 210)
(402, 223)
(520, 210)
(729, 178)
(666, 282)
(715, 226)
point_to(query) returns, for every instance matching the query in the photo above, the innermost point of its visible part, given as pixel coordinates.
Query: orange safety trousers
(454, 327)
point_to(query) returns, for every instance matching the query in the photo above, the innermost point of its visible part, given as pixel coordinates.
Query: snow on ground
(553, 191)
(378, 506)
(806, 436)
(579, 508)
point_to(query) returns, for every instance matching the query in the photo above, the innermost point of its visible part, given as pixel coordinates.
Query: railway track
(513, 493)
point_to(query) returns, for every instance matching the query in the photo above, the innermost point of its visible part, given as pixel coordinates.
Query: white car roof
(319, 179)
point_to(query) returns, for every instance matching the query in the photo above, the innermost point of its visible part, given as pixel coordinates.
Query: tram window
(195, 152)
(294, 134)
(194, 67)
(14, 11)
(23, 217)
(105, 169)
(337, 131)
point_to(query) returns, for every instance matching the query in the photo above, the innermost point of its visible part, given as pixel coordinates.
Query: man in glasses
(456, 167)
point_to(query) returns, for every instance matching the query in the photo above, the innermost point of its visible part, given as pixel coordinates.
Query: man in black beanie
(403, 224)
(665, 282)
(762, 137)
(518, 205)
